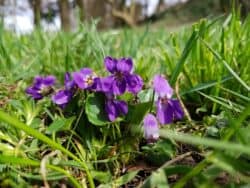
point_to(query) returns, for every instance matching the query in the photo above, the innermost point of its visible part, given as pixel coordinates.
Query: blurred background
(22, 16)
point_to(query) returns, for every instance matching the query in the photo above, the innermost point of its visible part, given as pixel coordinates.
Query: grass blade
(183, 58)
(28, 162)
(205, 85)
(30, 131)
(216, 100)
(234, 74)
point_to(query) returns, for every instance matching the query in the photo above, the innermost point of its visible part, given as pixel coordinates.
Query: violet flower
(62, 97)
(151, 129)
(115, 108)
(121, 78)
(168, 109)
(69, 84)
(41, 87)
(85, 79)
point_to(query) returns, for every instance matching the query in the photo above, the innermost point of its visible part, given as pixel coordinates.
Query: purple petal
(49, 80)
(68, 83)
(125, 65)
(84, 79)
(78, 78)
(110, 96)
(86, 71)
(164, 113)
(111, 110)
(34, 93)
(151, 129)
(119, 86)
(67, 77)
(61, 97)
(122, 107)
(162, 87)
(105, 84)
(178, 112)
(110, 64)
(134, 83)
(115, 108)
(38, 81)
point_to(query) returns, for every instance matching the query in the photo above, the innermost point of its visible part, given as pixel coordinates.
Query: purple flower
(122, 78)
(85, 79)
(167, 109)
(62, 97)
(134, 83)
(69, 84)
(41, 87)
(115, 108)
(151, 129)
(162, 87)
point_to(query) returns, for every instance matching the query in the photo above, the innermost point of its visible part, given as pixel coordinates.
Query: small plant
(103, 105)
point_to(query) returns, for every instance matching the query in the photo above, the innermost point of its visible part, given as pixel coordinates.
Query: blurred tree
(98, 9)
(36, 5)
(130, 15)
(243, 5)
(1, 12)
(66, 15)
(80, 4)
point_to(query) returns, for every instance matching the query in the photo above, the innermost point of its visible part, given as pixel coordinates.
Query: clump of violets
(41, 87)
(121, 79)
(167, 109)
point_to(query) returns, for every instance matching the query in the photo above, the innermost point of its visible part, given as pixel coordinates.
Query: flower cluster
(167, 109)
(121, 79)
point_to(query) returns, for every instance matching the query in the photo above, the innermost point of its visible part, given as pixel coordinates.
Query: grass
(206, 62)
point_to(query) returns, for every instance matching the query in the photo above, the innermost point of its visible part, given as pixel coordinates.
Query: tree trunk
(65, 15)
(99, 9)
(36, 4)
(245, 7)
(80, 4)
(2, 12)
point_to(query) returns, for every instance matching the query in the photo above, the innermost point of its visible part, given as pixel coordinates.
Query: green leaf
(157, 179)
(60, 124)
(95, 109)
(102, 177)
(137, 112)
(159, 153)
(125, 178)
(177, 70)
